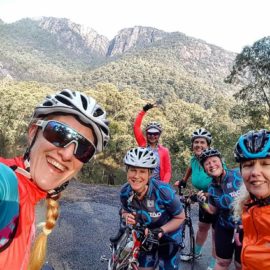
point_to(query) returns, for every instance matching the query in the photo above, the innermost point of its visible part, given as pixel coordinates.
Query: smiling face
(213, 167)
(138, 178)
(256, 176)
(198, 145)
(152, 137)
(51, 166)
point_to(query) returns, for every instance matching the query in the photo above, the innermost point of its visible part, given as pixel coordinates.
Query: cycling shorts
(223, 243)
(147, 259)
(205, 217)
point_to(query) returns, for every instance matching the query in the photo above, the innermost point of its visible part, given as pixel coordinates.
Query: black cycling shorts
(205, 217)
(224, 246)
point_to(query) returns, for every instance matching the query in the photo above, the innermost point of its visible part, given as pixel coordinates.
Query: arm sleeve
(167, 167)
(140, 139)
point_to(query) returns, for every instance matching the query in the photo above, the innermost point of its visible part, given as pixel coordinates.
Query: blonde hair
(38, 252)
(239, 202)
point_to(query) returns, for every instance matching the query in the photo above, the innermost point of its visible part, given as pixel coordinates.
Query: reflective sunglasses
(61, 135)
(153, 134)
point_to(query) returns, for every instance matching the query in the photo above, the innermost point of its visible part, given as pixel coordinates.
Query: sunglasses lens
(153, 134)
(85, 151)
(61, 135)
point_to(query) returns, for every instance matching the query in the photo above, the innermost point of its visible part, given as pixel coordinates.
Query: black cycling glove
(156, 231)
(147, 107)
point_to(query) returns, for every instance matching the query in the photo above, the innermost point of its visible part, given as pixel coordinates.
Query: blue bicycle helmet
(253, 145)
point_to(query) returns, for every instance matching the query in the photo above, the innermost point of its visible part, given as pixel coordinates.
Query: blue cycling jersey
(159, 205)
(222, 195)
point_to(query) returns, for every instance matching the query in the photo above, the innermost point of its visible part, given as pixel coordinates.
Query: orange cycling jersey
(256, 242)
(16, 256)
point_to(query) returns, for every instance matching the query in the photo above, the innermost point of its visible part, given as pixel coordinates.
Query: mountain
(157, 63)
(136, 37)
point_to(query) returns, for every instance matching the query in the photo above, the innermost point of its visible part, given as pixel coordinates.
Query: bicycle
(187, 246)
(127, 245)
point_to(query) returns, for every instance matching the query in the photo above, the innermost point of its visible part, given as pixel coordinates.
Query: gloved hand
(148, 106)
(183, 183)
(201, 198)
(158, 231)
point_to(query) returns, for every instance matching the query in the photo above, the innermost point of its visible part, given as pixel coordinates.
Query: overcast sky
(231, 24)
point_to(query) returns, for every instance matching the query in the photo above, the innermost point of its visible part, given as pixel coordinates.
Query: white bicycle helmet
(140, 157)
(81, 105)
(201, 133)
(153, 125)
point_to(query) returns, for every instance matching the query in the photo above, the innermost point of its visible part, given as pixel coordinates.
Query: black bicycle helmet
(210, 152)
(253, 145)
(201, 133)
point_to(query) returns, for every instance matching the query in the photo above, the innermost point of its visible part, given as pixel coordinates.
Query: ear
(31, 133)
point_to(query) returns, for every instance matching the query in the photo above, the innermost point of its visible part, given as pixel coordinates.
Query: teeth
(256, 183)
(56, 164)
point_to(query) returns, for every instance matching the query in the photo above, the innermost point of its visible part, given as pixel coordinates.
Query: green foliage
(251, 71)
(179, 119)
(17, 103)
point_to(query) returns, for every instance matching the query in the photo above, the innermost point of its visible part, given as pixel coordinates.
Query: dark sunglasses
(153, 134)
(61, 135)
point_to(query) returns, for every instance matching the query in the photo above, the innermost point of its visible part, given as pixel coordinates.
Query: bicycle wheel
(187, 250)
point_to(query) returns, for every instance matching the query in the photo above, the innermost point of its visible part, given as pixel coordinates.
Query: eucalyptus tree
(251, 71)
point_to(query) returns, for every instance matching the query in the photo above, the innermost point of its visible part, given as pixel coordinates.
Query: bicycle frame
(187, 245)
(129, 261)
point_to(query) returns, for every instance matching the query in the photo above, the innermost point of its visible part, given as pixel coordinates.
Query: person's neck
(218, 179)
(141, 194)
(153, 145)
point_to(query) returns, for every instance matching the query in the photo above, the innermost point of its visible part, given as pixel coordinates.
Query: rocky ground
(89, 216)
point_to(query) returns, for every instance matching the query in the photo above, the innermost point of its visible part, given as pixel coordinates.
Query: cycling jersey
(256, 242)
(221, 196)
(156, 171)
(16, 256)
(199, 178)
(163, 152)
(9, 205)
(158, 207)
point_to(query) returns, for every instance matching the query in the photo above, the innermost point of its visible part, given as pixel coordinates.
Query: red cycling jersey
(16, 255)
(163, 152)
(256, 242)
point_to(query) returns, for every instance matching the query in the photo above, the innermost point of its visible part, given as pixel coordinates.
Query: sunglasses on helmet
(153, 134)
(61, 135)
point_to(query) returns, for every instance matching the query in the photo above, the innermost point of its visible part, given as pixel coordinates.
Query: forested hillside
(185, 75)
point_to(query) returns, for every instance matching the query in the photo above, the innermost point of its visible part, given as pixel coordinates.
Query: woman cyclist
(200, 140)
(222, 191)
(66, 131)
(252, 151)
(151, 203)
(153, 130)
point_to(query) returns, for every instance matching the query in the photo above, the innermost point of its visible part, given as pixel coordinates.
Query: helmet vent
(84, 102)
(98, 112)
(47, 103)
(63, 100)
(67, 94)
